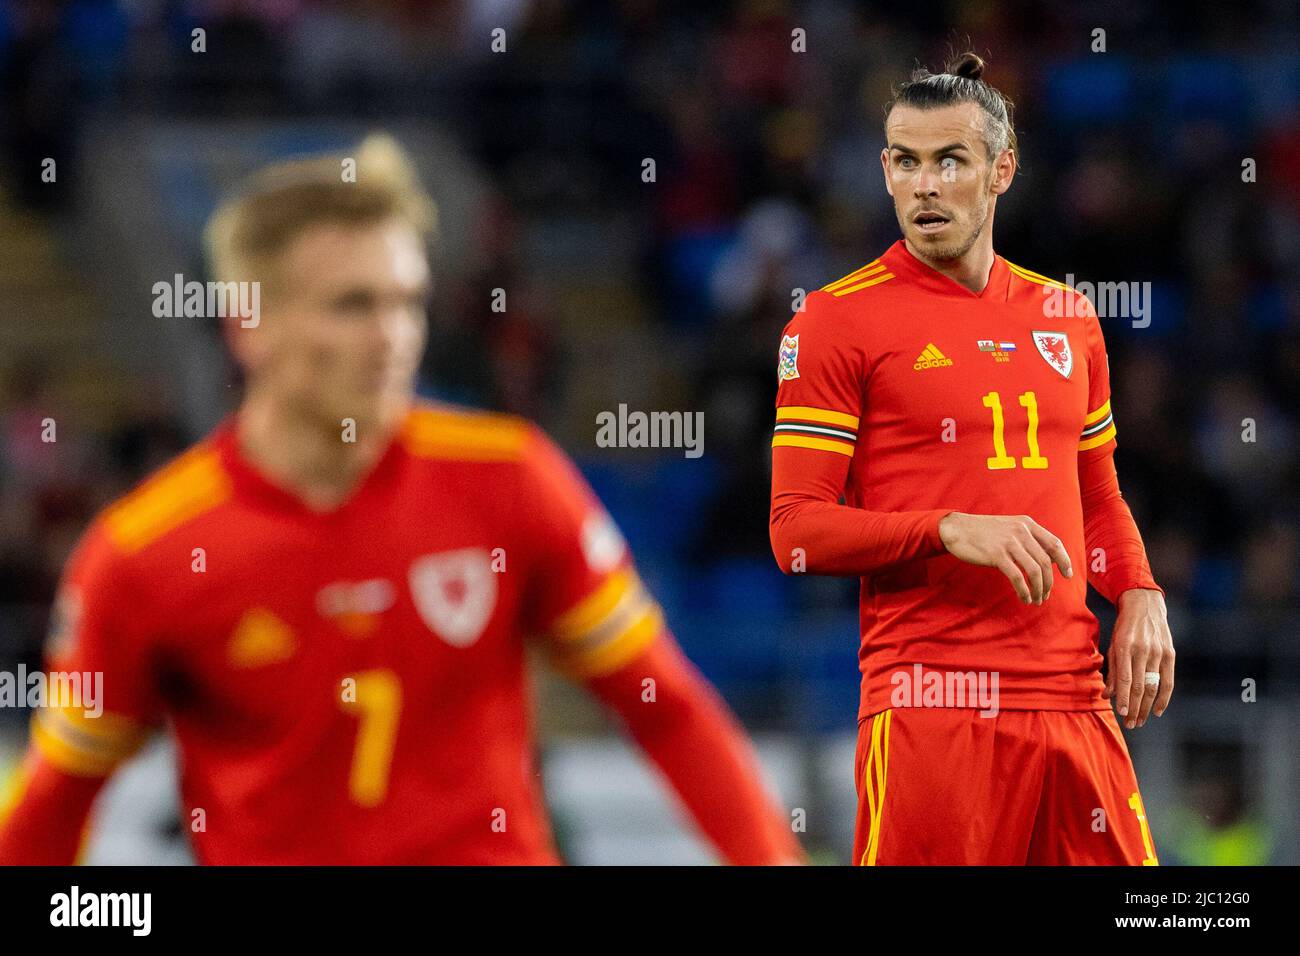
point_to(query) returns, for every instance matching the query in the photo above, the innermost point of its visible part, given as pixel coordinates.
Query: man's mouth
(929, 221)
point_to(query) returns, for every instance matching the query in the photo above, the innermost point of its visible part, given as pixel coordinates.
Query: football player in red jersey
(329, 597)
(960, 405)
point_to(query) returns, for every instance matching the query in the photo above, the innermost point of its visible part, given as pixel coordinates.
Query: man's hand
(1016, 545)
(1141, 643)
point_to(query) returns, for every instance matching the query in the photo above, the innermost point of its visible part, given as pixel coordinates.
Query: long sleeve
(44, 819)
(77, 743)
(821, 373)
(1115, 555)
(1117, 558)
(811, 532)
(603, 628)
(680, 722)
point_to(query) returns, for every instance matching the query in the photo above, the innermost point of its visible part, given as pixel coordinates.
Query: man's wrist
(935, 533)
(1140, 594)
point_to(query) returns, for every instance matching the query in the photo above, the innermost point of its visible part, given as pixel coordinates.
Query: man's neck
(304, 455)
(971, 270)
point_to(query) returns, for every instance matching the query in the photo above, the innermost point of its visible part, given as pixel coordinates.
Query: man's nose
(927, 183)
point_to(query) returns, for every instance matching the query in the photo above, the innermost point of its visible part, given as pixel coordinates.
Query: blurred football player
(329, 598)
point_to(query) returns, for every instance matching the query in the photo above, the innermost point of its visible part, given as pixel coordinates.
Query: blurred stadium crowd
(671, 294)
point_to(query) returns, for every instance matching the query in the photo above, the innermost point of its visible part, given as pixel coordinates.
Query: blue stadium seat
(1206, 87)
(691, 261)
(656, 504)
(744, 586)
(97, 32)
(820, 671)
(1092, 89)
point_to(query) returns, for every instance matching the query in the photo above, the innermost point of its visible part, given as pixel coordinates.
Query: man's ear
(884, 168)
(1004, 170)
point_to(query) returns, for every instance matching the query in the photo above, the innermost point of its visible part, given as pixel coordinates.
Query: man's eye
(906, 162)
(351, 306)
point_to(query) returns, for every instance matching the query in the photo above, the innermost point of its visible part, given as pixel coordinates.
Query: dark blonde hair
(252, 227)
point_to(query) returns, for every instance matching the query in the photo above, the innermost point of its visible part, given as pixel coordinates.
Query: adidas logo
(931, 357)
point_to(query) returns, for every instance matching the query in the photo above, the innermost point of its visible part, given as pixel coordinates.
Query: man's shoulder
(848, 313)
(1027, 285)
(858, 302)
(854, 287)
(191, 486)
(442, 431)
(487, 459)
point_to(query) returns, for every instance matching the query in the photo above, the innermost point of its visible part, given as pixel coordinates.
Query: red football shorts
(945, 786)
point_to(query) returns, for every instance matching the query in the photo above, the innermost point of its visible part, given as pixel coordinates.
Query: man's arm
(813, 533)
(821, 371)
(604, 630)
(45, 819)
(1141, 642)
(615, 642)
(76, 744)
(682, 724)
(1117, 558)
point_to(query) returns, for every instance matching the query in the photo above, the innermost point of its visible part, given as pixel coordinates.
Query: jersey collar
(249, 481)
(901, 262)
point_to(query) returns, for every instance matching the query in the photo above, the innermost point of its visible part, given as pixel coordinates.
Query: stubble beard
(954, 250)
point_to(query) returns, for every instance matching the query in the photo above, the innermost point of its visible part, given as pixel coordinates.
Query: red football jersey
(941, 399)
(348, 686)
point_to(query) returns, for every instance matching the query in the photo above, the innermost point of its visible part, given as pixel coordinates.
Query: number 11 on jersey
(1001, 459)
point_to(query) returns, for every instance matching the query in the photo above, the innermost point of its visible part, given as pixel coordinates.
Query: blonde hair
(251, 228)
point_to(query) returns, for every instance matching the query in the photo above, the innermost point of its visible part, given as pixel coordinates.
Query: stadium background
(671, 296)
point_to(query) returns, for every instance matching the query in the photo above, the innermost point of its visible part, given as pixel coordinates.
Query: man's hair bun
(968, 65)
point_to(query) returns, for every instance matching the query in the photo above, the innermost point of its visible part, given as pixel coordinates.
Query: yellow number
(1001, 459)
(1033, 459)
(1135, 804)
(378, 703)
